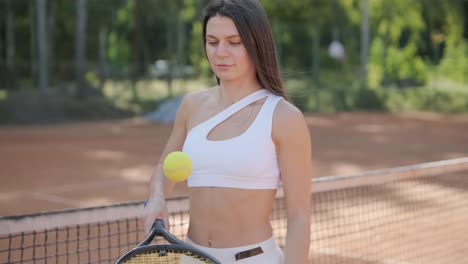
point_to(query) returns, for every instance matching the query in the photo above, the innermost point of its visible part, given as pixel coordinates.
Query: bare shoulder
(193, 103)
(287, 114)
(193, 100)
(288, 123)
(195, 97)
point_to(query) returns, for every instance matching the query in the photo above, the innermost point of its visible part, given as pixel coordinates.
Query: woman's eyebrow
(231, 36)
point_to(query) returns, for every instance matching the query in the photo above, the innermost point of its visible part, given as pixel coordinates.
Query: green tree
(394, 58)
(454, 63)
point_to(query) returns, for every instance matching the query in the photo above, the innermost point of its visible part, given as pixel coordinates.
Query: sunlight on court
(405, 215)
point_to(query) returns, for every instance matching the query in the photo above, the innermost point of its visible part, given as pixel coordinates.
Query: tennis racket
(177, 252)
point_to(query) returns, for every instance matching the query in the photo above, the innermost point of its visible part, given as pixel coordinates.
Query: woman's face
(226, 53)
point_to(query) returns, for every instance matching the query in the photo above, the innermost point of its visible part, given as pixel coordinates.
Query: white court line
(354, 256)
(70, 217)
(56, 199)
(42, 193)
(86, 185)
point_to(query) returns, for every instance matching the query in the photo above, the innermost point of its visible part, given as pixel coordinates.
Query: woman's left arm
(292, 139)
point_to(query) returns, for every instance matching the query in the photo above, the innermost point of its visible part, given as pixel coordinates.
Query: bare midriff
(229, 217)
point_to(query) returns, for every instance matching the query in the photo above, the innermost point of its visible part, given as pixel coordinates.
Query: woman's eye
(236, 43)
(212, 43)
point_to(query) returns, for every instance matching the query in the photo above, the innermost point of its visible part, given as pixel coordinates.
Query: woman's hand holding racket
(155, 209)
(176, 167)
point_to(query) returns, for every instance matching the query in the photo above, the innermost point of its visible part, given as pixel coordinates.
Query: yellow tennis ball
(177, 166)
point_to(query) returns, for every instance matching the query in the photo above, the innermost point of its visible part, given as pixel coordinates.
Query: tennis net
(410, 214)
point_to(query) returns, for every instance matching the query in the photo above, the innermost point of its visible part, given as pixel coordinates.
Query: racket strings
(165, 257)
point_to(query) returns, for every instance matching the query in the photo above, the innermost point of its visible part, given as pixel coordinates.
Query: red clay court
(101, 163)
(98, 163)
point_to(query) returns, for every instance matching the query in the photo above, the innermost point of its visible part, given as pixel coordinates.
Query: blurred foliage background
(64, 60)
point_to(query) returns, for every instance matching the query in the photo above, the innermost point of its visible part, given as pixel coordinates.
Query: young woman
(243, 137)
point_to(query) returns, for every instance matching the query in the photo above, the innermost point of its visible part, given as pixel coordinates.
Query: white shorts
(272, 254)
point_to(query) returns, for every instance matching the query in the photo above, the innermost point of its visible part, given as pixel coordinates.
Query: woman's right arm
(160, 186)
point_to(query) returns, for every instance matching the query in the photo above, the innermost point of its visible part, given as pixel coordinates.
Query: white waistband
(265, 245)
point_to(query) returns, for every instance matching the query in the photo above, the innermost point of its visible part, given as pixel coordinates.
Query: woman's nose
(221, 50)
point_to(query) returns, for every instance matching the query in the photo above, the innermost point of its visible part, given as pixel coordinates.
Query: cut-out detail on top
(208, 124)
(225, 130)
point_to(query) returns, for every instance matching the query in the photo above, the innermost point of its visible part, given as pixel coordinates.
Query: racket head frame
(176, 246)
(165, 249)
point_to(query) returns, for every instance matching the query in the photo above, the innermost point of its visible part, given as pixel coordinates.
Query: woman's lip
(223, 67)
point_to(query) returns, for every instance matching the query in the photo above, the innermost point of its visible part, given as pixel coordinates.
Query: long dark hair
(255, 31)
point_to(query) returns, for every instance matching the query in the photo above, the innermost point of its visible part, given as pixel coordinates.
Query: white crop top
(247, 161)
